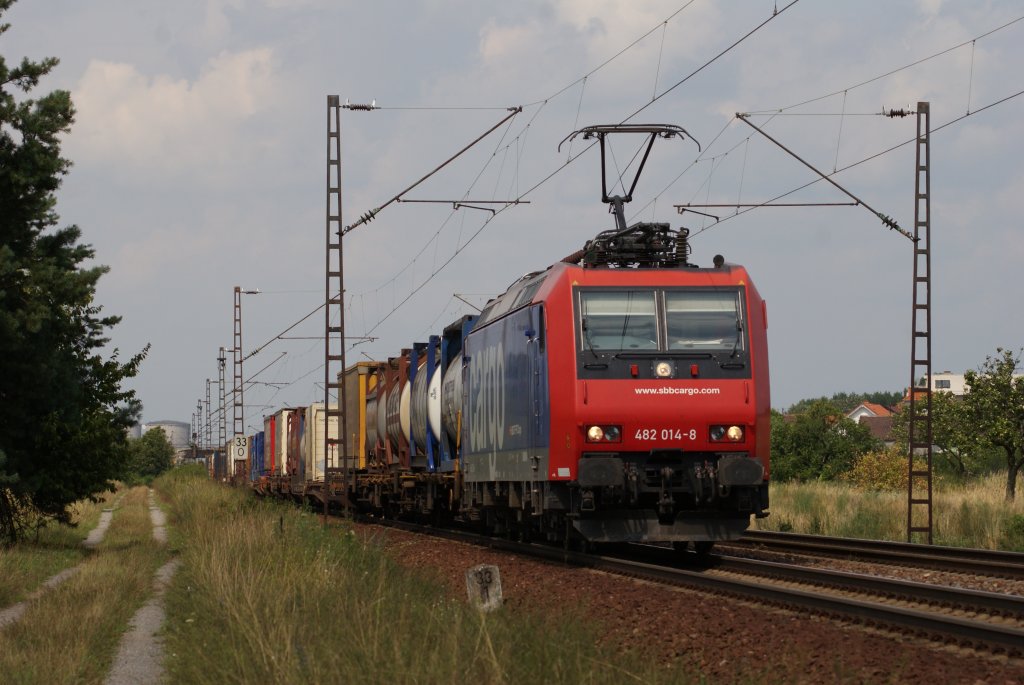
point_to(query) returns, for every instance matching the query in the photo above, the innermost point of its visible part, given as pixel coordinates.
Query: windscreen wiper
(589, 344)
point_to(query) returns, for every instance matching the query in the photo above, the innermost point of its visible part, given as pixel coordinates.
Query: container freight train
(618, 395)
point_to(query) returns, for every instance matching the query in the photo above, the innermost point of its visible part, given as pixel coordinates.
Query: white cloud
(499, 43)
(573, 36)
(929, 7)
(133, 120)
(217, 25)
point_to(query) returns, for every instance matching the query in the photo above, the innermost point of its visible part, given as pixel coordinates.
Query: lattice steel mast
(238, 426)
(222, 445)
(334, 308)
(209, 427)
(919, 458)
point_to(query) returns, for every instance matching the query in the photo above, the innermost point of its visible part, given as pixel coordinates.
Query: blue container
(256, 456)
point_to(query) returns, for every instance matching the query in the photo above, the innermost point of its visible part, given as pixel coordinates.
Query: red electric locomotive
(621, 395)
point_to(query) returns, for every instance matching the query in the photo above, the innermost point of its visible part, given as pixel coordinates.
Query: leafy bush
(1013, 533)
(818, 444)
(879, 470)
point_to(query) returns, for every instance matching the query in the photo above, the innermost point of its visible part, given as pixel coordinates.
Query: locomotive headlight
(604, 434)
(726, 433)
(663, 369)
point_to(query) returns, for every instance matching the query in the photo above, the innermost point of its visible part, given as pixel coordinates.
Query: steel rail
(959, 560)
(994, 603)
(966, 631)
(977, 633)
(905, 590)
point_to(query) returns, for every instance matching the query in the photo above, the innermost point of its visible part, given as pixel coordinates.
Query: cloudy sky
(199, 165)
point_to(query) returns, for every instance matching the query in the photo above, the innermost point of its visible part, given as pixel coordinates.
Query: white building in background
(949, 382)
(178, 432)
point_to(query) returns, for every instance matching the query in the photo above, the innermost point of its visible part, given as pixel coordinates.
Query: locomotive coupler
(632, 484)
(712, 477)
(703, 482)
(666, 503)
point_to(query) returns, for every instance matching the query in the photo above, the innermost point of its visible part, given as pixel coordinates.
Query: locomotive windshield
(619, 320)
(685, 320)
(703, 319)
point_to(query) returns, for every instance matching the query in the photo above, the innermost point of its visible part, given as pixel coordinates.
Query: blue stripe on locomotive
(505, 424)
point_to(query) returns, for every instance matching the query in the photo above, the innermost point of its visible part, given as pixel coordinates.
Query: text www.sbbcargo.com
(678, 391)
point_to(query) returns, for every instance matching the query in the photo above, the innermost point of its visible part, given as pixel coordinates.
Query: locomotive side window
(704, 320)
(619, 320)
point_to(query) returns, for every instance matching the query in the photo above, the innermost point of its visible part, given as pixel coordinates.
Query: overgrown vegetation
(974, 514)
(50, 550)
(267, 595)
(70, 634)
(65, 413)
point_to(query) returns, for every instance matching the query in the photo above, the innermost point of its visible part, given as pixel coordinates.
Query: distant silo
(134, 431)
(178, 432)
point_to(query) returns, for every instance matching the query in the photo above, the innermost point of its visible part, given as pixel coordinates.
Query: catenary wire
(864, 160)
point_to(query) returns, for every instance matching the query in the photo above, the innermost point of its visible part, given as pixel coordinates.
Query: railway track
(980, 620)
(953, 559)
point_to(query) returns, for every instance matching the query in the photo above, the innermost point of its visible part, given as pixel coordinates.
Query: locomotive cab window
(619, 320)
(710, 322)
(704, 320)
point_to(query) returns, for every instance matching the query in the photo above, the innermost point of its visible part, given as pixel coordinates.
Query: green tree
(958, 447)
(817, 444)
(151, 455)
(848, 401)
(65, 414)
(994, 402)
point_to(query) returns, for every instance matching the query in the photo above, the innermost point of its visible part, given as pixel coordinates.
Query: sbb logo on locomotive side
(487, 399)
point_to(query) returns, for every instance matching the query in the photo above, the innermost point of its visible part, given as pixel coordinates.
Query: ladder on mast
(222, 424)
(335, 451)
(919, 458)
(238, 425)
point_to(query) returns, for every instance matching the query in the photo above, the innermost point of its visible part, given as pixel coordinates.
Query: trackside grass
(968, 515)
(70, 634)
(26, 565)
(266, 595)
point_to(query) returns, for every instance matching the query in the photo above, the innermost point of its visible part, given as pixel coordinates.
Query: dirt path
(13, 613)
(96, 534)
(140, 654)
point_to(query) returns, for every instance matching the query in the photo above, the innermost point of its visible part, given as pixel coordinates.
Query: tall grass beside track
(266, 595)
(973, 514)
(26, 565)
(70, 634)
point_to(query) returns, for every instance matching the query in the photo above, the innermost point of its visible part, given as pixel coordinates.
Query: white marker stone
(484, 587)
